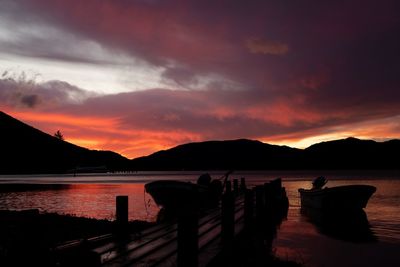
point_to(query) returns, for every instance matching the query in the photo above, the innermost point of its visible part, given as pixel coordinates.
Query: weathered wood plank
(157, 245)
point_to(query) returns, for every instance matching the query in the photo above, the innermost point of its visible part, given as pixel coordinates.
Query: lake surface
(307, 241)
(300, 237)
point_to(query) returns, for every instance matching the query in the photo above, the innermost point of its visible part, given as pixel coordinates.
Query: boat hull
(168, 193)
(177, 195)
(348, 197)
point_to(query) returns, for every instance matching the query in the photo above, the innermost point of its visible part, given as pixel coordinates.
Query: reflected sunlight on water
(89, 200)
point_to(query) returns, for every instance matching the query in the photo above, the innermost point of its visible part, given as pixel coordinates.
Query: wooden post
(259, 226)
(242, 185)
(121, 214)
(235, 187)
(122, 209)
(268, 197)
(228, 187)
(227, 219)
(188, 239)
(260, 206)
(248, 209)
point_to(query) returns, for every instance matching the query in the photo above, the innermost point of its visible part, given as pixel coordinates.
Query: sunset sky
(137, 76)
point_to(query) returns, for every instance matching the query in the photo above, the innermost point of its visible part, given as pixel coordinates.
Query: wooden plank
(212, 245)
(155, 245)
(140, 246)
(129, 256)
(153, 238)
(209, 243)
(208, 233)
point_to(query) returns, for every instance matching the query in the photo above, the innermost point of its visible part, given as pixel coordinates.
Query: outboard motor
(204, 179)
(319, 182)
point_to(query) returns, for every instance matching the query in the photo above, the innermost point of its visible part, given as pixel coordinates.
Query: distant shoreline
(278, 172)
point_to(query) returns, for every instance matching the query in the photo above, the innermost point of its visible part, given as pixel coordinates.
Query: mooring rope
(146, 205)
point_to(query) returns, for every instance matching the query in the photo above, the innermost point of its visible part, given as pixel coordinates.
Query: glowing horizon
(142, 147)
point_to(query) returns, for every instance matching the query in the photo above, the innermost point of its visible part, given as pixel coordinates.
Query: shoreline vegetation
(28, 238)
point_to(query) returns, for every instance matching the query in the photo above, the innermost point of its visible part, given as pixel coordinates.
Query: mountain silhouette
(26, 150)
(239, 154)
(353, 153)
(242, 154)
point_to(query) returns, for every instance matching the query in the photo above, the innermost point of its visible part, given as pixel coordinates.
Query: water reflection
(31, 187)
(351, 226)
(88, 200)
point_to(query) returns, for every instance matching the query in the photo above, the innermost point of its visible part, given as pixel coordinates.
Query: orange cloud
(105, 133)
(61, 119)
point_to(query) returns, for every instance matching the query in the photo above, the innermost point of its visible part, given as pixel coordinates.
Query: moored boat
(177, 196)
(171, 193)
(346, 197)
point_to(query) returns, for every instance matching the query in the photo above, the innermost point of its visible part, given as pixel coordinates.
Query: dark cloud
(180, 76)
(208, 37)
(30, 100)
(28, 34)
(22, 90)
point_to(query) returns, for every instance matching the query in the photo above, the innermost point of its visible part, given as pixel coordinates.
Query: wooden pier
(193, 240)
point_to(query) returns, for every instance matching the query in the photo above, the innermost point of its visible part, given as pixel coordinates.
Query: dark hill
(25, 149)
(350, 153)
(220, 155)
(353, 153)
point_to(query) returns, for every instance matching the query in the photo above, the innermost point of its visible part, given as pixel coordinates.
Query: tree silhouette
(59, 135)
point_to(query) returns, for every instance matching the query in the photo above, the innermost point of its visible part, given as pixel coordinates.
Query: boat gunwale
(334, 189)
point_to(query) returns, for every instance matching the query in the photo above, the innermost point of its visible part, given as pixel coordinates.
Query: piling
(121, 214)
(228, 187)
(260, 202)
(235, 187)
(248, 209)
(268, 197)
(227, 218)
(242, 185)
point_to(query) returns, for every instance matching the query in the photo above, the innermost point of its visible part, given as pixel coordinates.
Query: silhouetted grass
(26, 237)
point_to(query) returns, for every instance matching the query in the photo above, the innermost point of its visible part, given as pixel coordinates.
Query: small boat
(346, 197)
(177, 196)
(174, 194)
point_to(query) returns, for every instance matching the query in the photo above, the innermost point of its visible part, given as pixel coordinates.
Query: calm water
(302, 239)
(299, 238)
